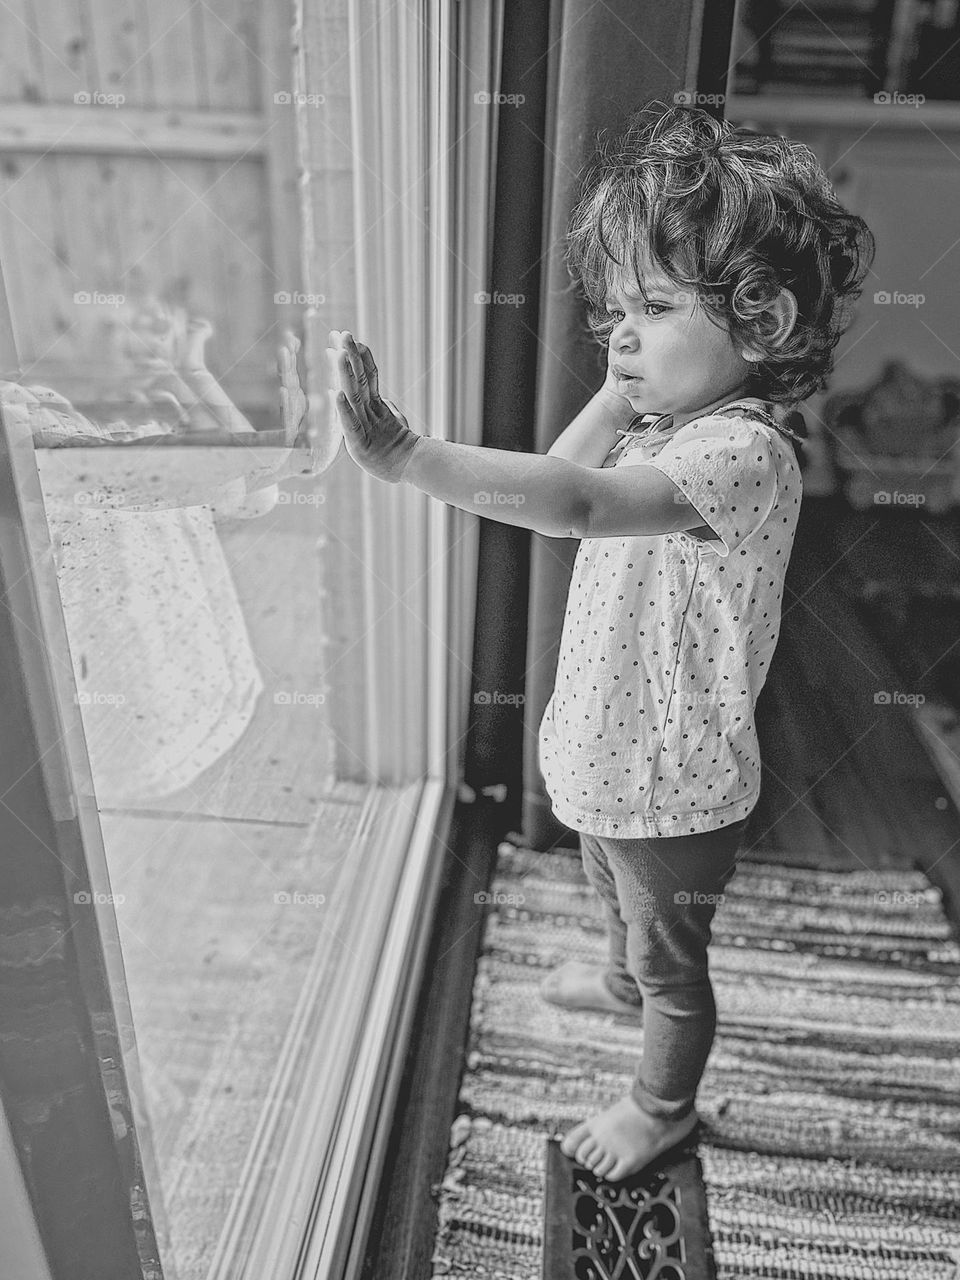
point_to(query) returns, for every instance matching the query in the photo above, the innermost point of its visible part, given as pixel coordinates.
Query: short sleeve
(726, 469)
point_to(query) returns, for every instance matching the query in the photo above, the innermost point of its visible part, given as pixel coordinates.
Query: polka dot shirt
(667, 638)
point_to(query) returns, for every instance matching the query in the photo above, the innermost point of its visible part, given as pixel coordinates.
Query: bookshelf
(849, 51)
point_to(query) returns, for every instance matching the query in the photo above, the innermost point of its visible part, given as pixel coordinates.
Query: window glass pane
(247, 619)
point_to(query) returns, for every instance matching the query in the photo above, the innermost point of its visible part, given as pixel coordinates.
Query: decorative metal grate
(652, 1226)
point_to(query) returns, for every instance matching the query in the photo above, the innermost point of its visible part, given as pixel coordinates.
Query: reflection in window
(241, 613)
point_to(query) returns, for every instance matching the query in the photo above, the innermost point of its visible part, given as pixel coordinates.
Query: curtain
(580, 67)
(392, 181)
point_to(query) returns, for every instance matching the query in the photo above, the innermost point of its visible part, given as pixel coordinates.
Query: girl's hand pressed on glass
(376, 433)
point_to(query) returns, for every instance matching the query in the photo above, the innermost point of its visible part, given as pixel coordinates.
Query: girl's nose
(623, 338)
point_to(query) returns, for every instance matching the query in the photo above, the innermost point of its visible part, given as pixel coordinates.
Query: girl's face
(667, 354)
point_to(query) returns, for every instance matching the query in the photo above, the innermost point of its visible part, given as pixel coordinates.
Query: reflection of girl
(162, 659)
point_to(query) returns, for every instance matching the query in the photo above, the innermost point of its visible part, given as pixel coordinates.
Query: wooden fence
(149, 149)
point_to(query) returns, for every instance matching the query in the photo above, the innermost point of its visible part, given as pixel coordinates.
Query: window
(258, 656)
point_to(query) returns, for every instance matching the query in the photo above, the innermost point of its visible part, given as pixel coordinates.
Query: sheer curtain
(393, 196)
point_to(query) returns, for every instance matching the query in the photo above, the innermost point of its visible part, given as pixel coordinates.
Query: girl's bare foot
(576, 985)
(623, 1139)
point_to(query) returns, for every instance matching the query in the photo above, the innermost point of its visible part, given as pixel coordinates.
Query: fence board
(117, 48)
(41, 280)
(133, 130)
(20, 71)
(62, 46)
(232, 58)
(187, 190)
(174, 52)
(243, 300)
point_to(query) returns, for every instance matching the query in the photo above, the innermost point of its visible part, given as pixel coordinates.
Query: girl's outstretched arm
(550, 495)
(531, 490)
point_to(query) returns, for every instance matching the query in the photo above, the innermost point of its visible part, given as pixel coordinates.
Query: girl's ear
(784, 310)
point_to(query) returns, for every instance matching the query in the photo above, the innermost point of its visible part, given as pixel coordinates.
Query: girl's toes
(573, 1140)
(586, 1149)
(605, 1166)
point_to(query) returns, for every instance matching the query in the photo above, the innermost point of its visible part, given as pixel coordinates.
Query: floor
(869, 653)
(871, 625)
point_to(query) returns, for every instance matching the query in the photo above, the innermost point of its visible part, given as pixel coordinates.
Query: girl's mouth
(627, 383)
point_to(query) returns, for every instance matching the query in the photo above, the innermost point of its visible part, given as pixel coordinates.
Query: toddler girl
(717, 266)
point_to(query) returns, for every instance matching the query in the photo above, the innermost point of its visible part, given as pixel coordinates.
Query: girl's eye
(658, 308)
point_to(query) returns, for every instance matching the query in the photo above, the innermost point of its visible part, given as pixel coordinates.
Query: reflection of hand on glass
(166, 350)
(293, 400)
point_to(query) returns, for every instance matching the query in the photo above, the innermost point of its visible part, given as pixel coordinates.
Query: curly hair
(734, 215)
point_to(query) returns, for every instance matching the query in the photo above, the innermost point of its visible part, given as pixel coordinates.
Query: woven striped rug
(831, 1098)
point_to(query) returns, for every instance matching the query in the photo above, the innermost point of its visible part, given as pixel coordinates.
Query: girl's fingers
(348, 417)
(354, 367)
(370, 369)
(356, 361)
(348, 377)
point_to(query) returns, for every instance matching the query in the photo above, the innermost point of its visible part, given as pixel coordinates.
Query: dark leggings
(659, 896)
